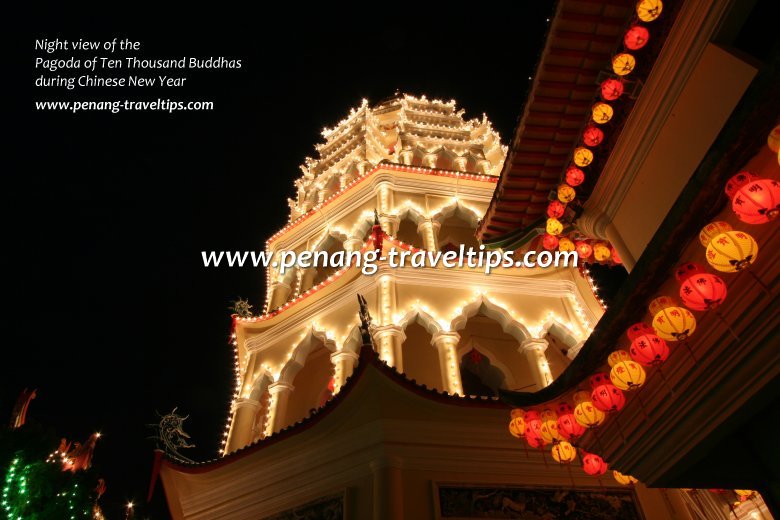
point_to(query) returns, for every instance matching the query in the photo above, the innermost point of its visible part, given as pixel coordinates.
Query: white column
(344, 362)
(446, 344)
(429, 230)
(244, 412)
(389, 339)
(534, 348)
(277, 407)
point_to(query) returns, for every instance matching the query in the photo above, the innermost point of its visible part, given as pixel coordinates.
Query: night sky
(108, 310)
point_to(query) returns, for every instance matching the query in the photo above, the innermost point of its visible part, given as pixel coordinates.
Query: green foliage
(33, 489)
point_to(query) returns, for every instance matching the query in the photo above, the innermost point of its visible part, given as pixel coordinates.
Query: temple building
(638, 117)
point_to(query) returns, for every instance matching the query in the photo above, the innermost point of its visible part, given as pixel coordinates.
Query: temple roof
(579, 45)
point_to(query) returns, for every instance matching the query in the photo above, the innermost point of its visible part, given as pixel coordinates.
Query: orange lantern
(566, 193)
(555, 209)
(554, 226)
(601, 252)
(582, 156)
(649, 350)
(700, 290)
(757, 202)
(584, 250)
(549, 242)
(623, 64)
(568, 427)
(615, 256)
(617, 356)
(608, 398)
(592, 136)
(602, 113)
(574, 176)
(627, 375)
(737, 181)
(671, 322)
(611, 89)
(732, 251)
(549, 428)
(564, 244)
(517, 423)
(649, 10)
(564, 453)
(626, 480)
(636, 37)
(533, 427)
(593, 465)
(711, 230)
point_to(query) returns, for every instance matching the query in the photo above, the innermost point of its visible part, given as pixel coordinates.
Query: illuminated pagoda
(411, 422)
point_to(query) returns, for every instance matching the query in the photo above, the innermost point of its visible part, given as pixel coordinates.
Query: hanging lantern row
(588, 250)
(623, 63)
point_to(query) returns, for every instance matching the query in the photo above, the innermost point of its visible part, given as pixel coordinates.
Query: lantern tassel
(598, 440)
(641, 404)
(726, 324)
(544, 458)
(761, 284)
(663, 377)
(525, 449)
(693, 357)
(571, 477)
(620, 430)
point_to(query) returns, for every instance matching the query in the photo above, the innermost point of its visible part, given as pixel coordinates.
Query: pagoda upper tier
(404, 130)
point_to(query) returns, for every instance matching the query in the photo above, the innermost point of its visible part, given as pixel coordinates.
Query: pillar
(534, 348)
(429, 230)
(446, 344)
(343, 364)
(244, 412)
(307, 278)
(384, 208)
(280, 292)
(389, 339)
(387, 490)
(277, 407)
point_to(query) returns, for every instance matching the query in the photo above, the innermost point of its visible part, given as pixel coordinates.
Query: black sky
(107, 308)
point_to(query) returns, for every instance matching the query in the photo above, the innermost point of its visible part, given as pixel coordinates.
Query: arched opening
(407, 233)
(258, 427)
(479, 376)
(331, 246)
(421, 360)
(309, 383)
(556, 355)
(458, 228)
(496, 347)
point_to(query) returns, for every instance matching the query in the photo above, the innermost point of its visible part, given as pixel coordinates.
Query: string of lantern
(754, 201)
(583, 156)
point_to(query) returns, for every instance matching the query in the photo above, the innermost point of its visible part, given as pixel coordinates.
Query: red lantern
(555, 209)
(608, 398)
(611, 89)
(593, 465)
(757, 202)
(636, 37)
(615, 256)
(533, 429)
(550, 242)
(737, 181)
(574, 176)
(688, 269)
(568, 426)
(703, 291)
(584, 250)
(592, 136)
(649, 350)
(598, 379)
(639, 329)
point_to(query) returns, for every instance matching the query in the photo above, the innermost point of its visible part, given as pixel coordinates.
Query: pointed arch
(459, 210)
(424, 319)
(311, 340)
(509, 379)
(260, 384)
(493, 311)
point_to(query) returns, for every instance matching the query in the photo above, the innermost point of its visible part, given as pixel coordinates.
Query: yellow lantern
(517, 423)
(649, 10)
(623, 64)
(564, 244)
(617, 356)
(588, 415)
(582, 157)
(602, 113)
(732, 251)
(746, 493)
(554, 226)
(626, 480)
(671, 322)
(627, 375)
(711, 230)
(601, 252)
(566, 193)
(549, 431)
(564, 453)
